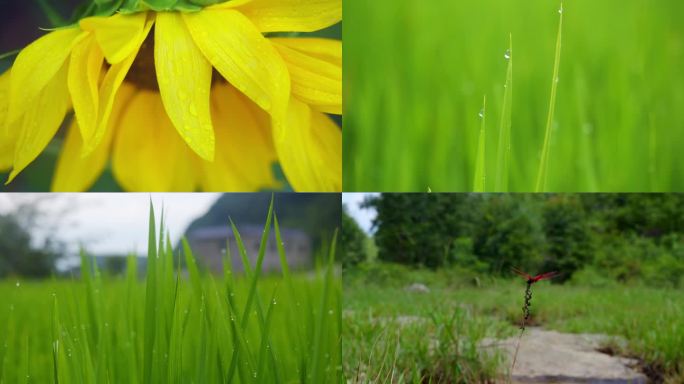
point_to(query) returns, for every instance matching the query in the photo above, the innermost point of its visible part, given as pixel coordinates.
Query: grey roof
(224, 232)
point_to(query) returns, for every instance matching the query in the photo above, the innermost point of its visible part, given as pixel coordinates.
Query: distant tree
(352, 242)
(508, 234)
(18, 256)
(568, 239)
(419, 229)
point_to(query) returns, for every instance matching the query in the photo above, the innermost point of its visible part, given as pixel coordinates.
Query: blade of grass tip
(323, 310)
(253, 294)
(281, 250)
(241, 249)
(479, 180)
(504, 149)
(192, 269)
(91, 299)
(544, 162)
(150, 298)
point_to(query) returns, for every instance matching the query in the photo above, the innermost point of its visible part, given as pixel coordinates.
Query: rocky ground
(554, 357)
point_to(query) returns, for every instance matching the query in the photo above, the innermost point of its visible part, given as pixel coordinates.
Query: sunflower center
(142, 73)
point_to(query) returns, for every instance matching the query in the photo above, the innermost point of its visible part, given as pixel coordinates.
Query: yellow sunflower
(182, 100)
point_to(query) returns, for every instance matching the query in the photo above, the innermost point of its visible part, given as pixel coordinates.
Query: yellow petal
(243, 56)
(328, 146)
(289, 15)
(77, 174)
(149, 155)
(84, 73)
(108, 92)
(8, 135)
(119, 35)
(184, 78)
(316, 71)
(309, 149)
(245, 154)
(41, 121)
(35, 67)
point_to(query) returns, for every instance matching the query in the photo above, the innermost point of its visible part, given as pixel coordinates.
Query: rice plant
(178, 326)
(415, 75)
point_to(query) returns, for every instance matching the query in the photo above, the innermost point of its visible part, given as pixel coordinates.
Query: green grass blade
(281, 249)
(55, 341)
(150, 299)
(192, 269)
(321, 323)
(479, 179)
(540, 185)
(241, 249)
(504, 149)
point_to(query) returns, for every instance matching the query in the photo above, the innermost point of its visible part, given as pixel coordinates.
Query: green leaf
(540, 185)
(479, 179)
(504, 150)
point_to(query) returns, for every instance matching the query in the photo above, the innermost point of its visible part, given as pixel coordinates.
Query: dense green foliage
(173, 329)
(627, 237)
(352, 242)
(650, 320)
(416, 74)
(18, 253)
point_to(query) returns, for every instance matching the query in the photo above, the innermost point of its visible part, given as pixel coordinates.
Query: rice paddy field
(393, 335)
(592, 106)
(173, 326)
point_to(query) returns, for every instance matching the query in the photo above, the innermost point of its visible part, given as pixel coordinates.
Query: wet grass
(650, 320)
(416, 74)
(174, 327)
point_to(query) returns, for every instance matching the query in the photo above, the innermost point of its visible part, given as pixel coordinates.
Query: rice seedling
(415, 76)
(177, 326)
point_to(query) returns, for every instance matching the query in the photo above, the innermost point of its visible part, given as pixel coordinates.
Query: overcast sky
(109, 223)
(363, 216)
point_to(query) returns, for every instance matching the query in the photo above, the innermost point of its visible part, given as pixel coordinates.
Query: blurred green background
(22, 22)
(416, 74)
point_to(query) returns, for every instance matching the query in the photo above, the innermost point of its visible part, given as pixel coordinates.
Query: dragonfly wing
(521, 273)
(547, 275)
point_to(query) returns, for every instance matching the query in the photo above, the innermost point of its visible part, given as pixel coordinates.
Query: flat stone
(554, 357)
(417, 287)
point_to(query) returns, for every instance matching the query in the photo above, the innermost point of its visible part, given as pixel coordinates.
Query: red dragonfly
(534, 279)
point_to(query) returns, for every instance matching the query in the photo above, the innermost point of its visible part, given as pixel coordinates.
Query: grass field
(416, 75)
(174, 327)
(434, 335)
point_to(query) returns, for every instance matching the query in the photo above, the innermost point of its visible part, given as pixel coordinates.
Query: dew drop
(274, 302)
(18, 284)
(330, 312)
(481, 114)
(560, 10)
(507, 55)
